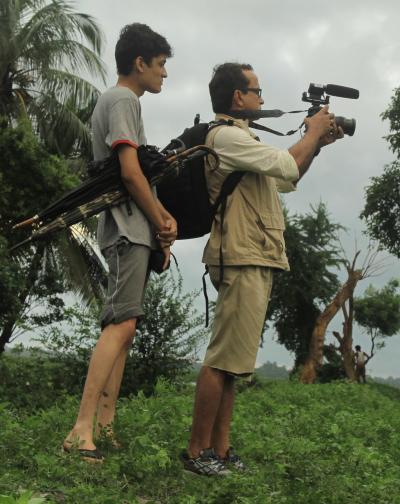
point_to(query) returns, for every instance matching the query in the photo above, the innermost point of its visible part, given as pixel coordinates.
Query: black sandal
(87, 455)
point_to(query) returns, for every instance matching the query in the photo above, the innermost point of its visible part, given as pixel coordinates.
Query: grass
(323, 444)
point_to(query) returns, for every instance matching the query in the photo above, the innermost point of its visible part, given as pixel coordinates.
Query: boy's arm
(139, 188)
(169, 218)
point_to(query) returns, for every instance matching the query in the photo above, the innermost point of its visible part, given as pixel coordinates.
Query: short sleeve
(123, 123)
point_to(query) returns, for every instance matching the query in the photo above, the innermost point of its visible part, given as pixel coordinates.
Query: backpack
(186, 196)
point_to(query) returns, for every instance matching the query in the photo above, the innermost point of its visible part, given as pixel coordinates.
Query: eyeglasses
(257, 91)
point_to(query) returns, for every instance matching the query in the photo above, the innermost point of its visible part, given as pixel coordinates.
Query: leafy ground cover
(323, 444)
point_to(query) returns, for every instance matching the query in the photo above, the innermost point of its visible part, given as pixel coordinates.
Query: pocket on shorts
(123, 246)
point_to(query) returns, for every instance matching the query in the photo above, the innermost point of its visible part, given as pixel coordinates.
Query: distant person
(126, 233)
(360, 361)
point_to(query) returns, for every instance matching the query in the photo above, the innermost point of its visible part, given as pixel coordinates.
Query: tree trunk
(315, 357)
(5, 336)
(346, 348)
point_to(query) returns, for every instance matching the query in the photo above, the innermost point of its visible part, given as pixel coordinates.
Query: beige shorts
(239, 317)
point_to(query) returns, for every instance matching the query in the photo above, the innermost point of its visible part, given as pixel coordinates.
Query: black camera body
(318, 96)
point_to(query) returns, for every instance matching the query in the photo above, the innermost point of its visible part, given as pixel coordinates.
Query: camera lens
(348, 125)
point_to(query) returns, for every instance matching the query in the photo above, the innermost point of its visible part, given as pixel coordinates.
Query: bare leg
(109, 396)
(209, 392)
(220, 434)
(113, 339)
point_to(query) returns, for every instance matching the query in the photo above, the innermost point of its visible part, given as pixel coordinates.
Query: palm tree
(45, 50)
(45, 47)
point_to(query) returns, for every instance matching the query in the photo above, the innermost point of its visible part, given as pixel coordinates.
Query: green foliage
(169, 334)
(382, 202)
(30, 178)
(165, 347)
(332, 368)
(378, 310)
(393, 115)
(382, 208)
(297, 296)
(45, 46)
(24, 498)
(332, 444)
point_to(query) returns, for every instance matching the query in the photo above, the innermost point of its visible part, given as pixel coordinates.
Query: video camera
(318, 95)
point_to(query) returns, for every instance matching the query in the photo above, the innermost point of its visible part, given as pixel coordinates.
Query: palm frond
(81, 264)
(60, 126)
(67, 88)
(54, 36)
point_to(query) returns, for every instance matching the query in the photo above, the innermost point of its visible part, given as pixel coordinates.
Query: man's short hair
(358, 347)
(136, 40)
(225, 80)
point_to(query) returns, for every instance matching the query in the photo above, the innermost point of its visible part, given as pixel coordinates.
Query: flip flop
(93, 456)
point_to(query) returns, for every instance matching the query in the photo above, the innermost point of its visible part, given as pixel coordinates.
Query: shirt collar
(240, 123)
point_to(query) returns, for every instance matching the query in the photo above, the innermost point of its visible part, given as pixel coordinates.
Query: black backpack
(186, 197)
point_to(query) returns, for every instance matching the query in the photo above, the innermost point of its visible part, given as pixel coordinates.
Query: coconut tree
(46, 49)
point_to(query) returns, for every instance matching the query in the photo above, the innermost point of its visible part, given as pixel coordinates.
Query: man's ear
(138, 64)
(237, 100)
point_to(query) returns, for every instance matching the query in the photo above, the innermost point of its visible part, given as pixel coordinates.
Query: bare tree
(343, 300)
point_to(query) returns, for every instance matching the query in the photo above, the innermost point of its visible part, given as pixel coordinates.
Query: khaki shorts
(239, 317)
(128, 265)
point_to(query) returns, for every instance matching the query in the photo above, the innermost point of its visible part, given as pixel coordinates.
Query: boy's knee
(125, 332)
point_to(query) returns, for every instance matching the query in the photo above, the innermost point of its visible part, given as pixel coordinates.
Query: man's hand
(335, 133)
(321, 123)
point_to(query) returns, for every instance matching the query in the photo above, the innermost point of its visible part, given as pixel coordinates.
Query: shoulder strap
(227, 188)
(232, 180)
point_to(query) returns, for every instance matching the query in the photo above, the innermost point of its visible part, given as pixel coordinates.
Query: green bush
(165, 347)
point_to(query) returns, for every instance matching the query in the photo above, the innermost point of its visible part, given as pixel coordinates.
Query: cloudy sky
(290, 44)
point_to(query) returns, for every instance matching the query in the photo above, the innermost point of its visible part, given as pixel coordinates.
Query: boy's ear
(139, 64)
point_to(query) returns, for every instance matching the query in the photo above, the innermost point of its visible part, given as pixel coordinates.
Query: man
(126, 233)
(360, 361)
(252, 246)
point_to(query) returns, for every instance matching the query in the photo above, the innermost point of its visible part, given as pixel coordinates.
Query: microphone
(342, 91)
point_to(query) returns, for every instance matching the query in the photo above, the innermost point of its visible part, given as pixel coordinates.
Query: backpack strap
(227, 188)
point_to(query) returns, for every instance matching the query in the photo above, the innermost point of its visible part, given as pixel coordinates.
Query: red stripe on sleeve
(128, 142)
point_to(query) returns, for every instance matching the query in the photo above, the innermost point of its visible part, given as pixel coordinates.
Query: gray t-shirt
(117, 119)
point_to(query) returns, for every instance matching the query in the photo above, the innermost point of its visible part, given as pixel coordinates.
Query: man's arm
(139, 188)
(321, 130)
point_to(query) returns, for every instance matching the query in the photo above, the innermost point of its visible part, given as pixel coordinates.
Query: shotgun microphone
(342, 91)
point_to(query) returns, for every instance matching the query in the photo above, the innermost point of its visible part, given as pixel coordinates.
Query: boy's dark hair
(225, 80)
(358, 347)
(135, 40)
